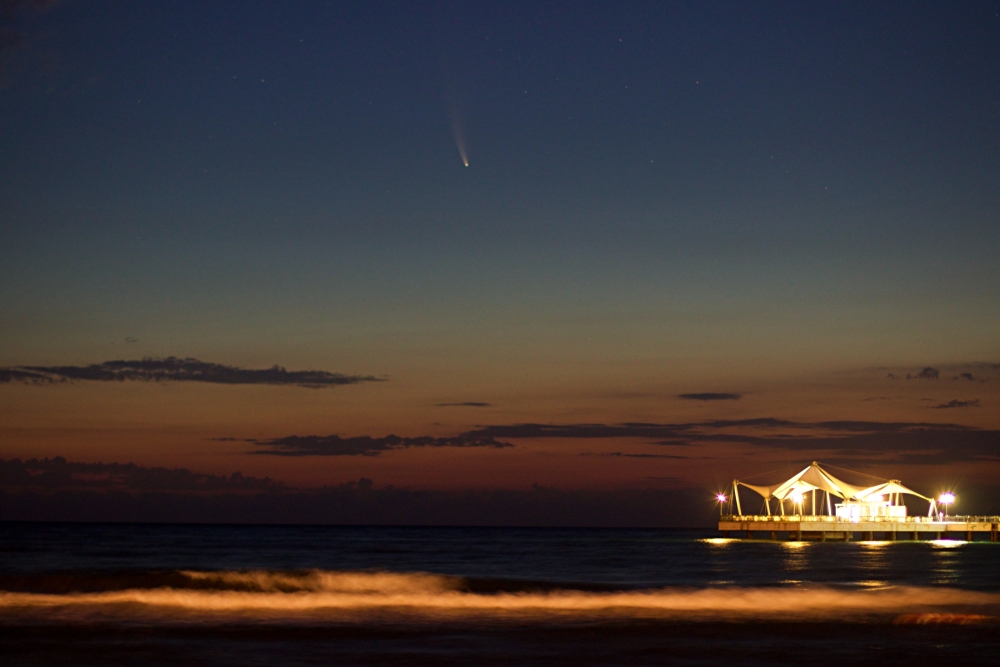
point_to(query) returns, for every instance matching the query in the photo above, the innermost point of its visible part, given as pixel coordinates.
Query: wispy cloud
(887, 441)
(683, 432)
(927, 373)
(638, 455)
(174, 369)
(955, 403)
(58, 473)
(581, 431)
(25, 376)
(334, 445)
(711, 396)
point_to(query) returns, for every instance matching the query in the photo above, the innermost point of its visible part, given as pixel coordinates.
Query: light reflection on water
(796, 558)
(948, 544)
(946, 561)
(868, 565)
(794, 545)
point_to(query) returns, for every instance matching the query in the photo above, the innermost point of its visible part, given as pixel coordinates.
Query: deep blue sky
(661, 196)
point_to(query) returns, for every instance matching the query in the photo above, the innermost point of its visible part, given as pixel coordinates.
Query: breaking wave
(317, 596)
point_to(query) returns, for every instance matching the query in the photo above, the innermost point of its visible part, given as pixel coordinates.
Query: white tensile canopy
(888, 488)
(814, 478)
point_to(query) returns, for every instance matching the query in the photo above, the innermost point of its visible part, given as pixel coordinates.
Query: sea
(140, 594)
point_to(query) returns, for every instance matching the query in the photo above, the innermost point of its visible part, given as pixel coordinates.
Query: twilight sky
(692, 242)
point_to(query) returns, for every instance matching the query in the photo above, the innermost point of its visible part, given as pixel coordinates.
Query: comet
(460, 142)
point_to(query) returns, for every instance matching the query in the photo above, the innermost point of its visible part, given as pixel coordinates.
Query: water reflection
(794, 545)
(947, 544)
(795, 556)
(946, 561)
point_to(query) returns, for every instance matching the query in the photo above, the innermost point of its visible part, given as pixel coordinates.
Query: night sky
(455, 246)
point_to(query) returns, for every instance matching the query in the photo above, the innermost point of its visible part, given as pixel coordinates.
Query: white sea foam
(337, 595)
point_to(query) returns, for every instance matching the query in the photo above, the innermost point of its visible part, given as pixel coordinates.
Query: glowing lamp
(946, 499)
(721, 498)
(796, 497)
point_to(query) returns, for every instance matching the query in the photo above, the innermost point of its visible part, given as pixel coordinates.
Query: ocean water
(114, 594)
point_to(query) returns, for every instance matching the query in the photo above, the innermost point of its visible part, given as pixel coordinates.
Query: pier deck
(836, 528)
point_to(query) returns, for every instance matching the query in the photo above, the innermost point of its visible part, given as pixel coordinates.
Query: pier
(831, 528)
(862, 512)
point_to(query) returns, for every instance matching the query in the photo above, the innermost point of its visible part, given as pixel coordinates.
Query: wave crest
(319, 595)
(322, 581)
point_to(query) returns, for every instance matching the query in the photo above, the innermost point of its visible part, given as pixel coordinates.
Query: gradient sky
(782, 201)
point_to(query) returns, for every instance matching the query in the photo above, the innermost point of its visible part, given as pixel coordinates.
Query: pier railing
(825, 518)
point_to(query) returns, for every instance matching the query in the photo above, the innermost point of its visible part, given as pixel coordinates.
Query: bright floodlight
(721, 497)
(947, 498)
(796, 497)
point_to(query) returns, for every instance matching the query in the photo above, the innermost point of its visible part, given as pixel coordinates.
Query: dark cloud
(955, 403)
(628, 430)
(709, 396)
(58, 473)
(881, 441)
(910, 443)
(173, 369)
(965, 376)
(688, 432)
(467, 404)
(927, 373)
(26, 377)
(757, 422)
(856, 426)
(626, 455)
(334, 445)
(934, 458)
(131, 339)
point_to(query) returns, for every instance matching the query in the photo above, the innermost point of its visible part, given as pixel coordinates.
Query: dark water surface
(281, 595)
